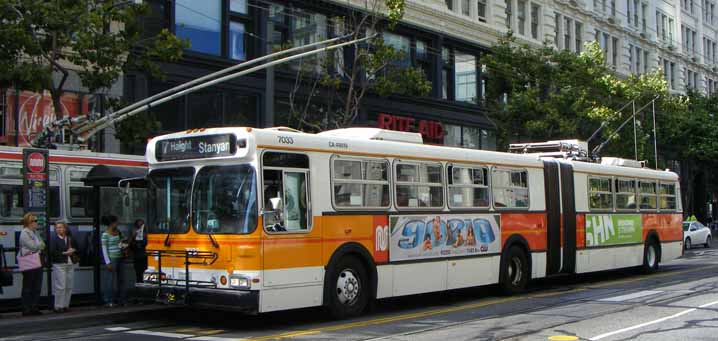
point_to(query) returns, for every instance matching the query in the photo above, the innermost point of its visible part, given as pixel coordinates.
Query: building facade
(446, 38)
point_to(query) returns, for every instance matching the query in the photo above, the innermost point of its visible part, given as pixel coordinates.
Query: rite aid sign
(432, 130)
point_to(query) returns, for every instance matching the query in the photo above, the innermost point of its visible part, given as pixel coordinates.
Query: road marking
(117, 329)
(563, 338)
(598, 337)
(214, 338)
(631, 296)
(163, 334)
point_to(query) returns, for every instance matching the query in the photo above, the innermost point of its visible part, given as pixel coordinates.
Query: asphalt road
(679, 302)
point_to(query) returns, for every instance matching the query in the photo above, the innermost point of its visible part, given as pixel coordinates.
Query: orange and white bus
(261, 220)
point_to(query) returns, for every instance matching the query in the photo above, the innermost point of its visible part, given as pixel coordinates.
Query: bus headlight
(240, 282)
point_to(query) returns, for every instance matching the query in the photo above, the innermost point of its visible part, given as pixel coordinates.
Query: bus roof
(359, 142)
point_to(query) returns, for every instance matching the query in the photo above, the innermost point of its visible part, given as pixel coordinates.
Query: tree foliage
(42, 42)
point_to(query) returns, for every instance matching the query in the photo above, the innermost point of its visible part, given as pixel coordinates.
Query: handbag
(6, 277)
(30, 261)
(74, 257)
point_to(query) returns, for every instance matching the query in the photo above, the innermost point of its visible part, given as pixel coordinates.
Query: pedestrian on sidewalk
(140, 250)
(31, 245)
(111, 256)
(63, 266)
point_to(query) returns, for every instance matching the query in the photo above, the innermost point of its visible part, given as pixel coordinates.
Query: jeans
(110, 280)
(31, 286)
(63, 275)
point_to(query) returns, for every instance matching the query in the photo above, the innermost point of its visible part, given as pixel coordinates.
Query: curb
(17, 326)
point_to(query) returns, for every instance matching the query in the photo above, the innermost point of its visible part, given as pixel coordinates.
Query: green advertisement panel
(613, 229)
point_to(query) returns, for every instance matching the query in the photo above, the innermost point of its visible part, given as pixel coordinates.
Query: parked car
(696, 233)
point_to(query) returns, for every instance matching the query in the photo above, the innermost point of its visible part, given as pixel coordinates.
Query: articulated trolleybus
(261, 220)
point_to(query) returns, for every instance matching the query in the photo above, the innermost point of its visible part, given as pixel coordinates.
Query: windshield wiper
(167, 239)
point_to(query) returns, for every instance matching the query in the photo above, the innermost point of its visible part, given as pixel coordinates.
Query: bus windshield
(224, 200)
(168, 199)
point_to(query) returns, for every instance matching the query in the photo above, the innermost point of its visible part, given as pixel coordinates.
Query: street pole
(655, 139)
(635, 137)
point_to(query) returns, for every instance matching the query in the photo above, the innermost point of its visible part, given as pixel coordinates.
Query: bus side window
(285, 192)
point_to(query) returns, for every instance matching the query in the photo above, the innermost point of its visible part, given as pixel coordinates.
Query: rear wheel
(348, 289)
(687, 244)
(514, 271)
(651, 254)
(708, 242)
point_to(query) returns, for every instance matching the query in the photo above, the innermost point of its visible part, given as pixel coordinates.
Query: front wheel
(650, 256)
(688, 243)
(708, 242)
(514, 271)
(348, 289)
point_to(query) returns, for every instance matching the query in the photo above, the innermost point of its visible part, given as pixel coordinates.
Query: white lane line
(605, 335)
(117, 329)
(214, 338)
(163, 334)
(631, 296)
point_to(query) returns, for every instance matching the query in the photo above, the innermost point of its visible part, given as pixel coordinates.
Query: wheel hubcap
(515, 271)
(348, 287)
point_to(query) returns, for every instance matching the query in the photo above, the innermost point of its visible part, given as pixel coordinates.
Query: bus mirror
(276, 203)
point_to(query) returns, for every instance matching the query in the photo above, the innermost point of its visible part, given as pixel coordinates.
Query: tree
(540, 94)
(42, 42)
(328, 90)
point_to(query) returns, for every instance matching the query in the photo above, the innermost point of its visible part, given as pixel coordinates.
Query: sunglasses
(33, 221)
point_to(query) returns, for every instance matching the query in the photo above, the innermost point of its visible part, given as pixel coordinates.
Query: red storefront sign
(36, 111)
(432, 130)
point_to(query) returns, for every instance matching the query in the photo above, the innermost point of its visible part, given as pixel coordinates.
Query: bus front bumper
(246, 301)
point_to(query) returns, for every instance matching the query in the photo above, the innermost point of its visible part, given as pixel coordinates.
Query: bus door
(553, 216)
(568, 209)
(291, 245)
(560, 217)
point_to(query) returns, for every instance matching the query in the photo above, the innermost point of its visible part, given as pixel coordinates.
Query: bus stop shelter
(104, 176)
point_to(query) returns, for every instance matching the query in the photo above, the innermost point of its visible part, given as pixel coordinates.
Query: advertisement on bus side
(437, 236)
(613, 229)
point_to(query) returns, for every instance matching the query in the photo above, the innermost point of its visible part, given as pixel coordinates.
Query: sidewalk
(13, 324)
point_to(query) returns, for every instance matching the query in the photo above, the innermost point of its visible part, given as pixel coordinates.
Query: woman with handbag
(64, 259)
(30, 265)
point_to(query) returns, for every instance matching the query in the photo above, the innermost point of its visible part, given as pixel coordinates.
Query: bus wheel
(348, 289)
(651, 253)
(514, 271)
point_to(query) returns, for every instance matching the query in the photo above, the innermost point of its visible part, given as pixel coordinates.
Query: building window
(567, 31)
(508, 13)
(645, 61)
(465, 7)
(481, 10)
(449, 4)
(579, 33)
(557, 30)
(635, 13)
(200, 22)
(614, 54)
(629, 15)
(446, 71)
(521, 17)
(535, 21)
(465, 77)
(236, 41)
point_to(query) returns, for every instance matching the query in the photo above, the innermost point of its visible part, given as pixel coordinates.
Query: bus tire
(514, 273)
(348, 288)
(651, 255)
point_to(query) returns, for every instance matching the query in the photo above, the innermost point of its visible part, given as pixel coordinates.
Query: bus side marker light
(223, 280)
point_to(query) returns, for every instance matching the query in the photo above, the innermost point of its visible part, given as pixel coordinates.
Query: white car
(696, 233)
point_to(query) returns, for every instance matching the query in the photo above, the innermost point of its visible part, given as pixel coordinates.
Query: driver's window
(285, 192)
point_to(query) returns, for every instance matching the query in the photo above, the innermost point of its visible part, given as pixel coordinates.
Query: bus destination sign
(196, 147)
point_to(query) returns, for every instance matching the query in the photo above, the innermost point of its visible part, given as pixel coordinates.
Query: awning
(110, 176)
